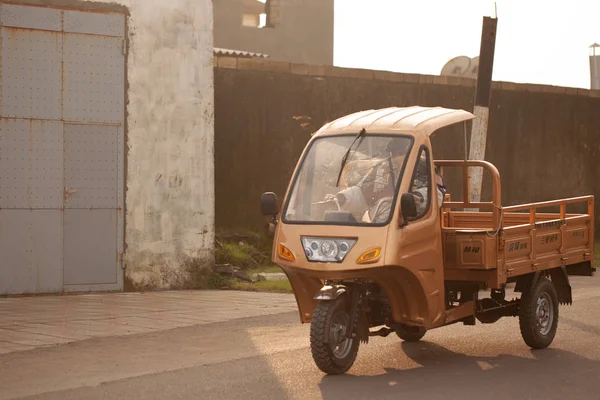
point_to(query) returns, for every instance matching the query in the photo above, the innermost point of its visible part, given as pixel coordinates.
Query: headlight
(327, 249)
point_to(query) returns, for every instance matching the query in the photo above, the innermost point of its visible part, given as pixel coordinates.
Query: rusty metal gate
(61, 149)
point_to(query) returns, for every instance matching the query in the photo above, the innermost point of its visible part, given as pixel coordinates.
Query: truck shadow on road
(442, 373)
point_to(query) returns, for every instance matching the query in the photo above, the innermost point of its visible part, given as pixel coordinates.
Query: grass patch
(246, 250)
(237, 254)
(263, 286)
(250, 252)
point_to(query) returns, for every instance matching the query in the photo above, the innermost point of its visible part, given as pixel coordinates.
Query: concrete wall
(302, 30)
(170, 183)
(543, 139)
(169, 223)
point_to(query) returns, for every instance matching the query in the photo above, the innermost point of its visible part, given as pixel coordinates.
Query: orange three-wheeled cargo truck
(369, 238)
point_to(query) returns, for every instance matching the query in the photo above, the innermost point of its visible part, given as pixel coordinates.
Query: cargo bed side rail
(562, 203)
(539, 245)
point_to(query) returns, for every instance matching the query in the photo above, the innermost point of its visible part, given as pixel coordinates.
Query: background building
(298, 31)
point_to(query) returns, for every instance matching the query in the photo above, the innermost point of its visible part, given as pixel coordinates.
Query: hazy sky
(537, 41)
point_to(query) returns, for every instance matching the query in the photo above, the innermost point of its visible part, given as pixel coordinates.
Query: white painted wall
(170, 164)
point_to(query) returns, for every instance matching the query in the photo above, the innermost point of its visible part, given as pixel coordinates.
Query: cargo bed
(497, 244)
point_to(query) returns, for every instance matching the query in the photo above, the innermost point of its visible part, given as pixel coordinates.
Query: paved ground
(268, 357)
(30, 322)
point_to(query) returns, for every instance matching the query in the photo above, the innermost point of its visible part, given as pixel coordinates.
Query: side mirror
(408, 206)
(269, 205)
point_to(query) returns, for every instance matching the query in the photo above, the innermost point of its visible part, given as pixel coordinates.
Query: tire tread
(527, 320)
(320, 350)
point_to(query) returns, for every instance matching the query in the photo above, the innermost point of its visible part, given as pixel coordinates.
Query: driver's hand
(330, 197)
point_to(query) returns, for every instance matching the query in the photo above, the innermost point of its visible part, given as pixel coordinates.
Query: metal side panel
(43, 18)
(90, 248)
(31, 251)
(94, 79)
(31, 164)
(31, 74)
(91, 166)
(94, 23)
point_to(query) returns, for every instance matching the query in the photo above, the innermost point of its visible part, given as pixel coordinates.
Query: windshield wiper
(345, 158)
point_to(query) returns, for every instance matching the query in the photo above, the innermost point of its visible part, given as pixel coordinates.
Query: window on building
(257, 13)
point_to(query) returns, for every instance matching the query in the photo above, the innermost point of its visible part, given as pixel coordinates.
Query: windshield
(367, 183)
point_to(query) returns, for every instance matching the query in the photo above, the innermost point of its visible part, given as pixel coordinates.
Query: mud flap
(560, 279)
(359, 324)
(525, 282)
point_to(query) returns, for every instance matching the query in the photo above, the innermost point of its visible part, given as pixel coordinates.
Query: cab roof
(412, 120)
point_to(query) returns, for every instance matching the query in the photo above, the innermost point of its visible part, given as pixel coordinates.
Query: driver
(420, 190)
(376, 190)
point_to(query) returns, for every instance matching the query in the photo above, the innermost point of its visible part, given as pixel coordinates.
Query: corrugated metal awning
(238, 53)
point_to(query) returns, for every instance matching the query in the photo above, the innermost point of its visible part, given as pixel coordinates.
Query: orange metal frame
(496, 203)
(514, 223)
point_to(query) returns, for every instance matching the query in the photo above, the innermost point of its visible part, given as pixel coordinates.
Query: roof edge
(262, 64)
(414, 119)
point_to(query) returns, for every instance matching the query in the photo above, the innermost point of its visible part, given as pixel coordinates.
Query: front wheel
(538, 314)
(332, 351)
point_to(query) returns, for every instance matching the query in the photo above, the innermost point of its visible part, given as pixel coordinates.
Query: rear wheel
(332, 351)
(410, 333)
(538, 314)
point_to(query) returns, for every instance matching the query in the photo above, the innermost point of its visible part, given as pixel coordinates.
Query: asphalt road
(269, 358)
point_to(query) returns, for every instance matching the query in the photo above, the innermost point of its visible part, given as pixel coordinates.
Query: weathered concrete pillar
(482, 103)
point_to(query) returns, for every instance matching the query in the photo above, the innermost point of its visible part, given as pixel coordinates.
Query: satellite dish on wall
(474, 67)
(461, 66)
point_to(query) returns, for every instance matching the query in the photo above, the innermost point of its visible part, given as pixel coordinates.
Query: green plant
(249, 251)
(238, 254)
(217, 281)
(242, 249)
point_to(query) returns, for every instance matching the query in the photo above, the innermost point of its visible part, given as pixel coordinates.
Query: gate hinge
(124, 47)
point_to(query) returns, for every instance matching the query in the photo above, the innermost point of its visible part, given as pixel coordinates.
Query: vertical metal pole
(594, 70)
(482, 103)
